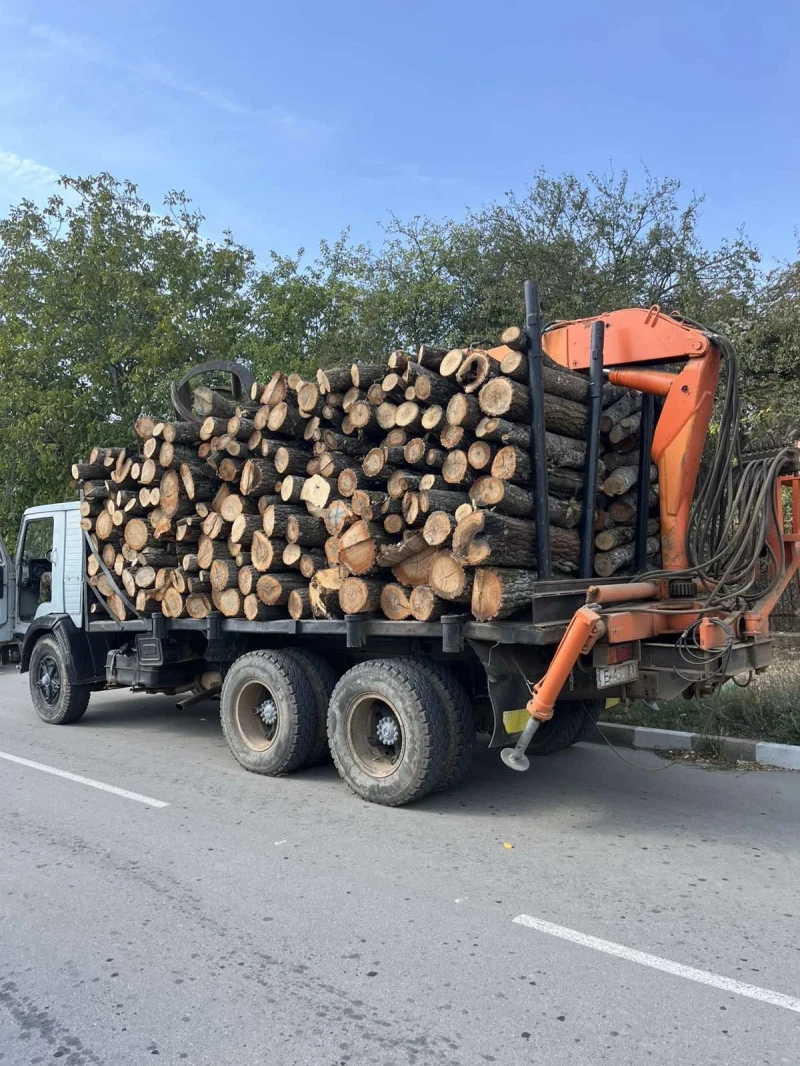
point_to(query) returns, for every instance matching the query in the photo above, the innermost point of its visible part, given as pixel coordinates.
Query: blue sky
(287, 122)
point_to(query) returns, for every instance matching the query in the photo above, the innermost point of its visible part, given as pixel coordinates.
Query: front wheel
(56, 700)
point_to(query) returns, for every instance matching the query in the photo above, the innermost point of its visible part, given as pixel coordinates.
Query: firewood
(143, 426)
(299, 604)
(416, 569)
(273, 589)
(454, 437)
(224, 575)
(228, 603)
(428, 386)
(451, 362)
(334, 379)
(607, 563)
(476, 370)
(449, 579)
(358, 547)
(463, 410)
(394, 602)
(487, 535)
(500, 593)
(623, 478)
(359, 595)
(629, 402)
(512, 500)
(438, 528)
(625, 428)
(432, 417)
(305, 529)
(266, 552)
(426, 606)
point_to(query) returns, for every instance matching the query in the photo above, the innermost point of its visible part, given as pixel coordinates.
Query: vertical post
(592, 449)
(643, 483)
(533, 334)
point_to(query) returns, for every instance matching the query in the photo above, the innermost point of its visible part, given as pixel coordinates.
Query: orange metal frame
(637, 336)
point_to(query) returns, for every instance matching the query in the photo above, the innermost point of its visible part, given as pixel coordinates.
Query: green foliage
(103, 301)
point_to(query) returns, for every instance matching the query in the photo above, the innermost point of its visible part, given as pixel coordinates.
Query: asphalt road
(286, 922)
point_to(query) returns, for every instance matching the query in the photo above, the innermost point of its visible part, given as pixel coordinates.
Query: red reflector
(618, 653)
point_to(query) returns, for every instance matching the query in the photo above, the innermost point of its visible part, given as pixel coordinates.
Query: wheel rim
(48, 680)
(256, 716)
(375, 735)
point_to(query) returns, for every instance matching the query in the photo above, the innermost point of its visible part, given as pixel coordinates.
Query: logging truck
(382, 563)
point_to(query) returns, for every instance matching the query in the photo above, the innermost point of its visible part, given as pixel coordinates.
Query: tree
(102, 302)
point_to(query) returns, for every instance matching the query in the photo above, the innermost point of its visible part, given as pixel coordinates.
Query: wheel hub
(49, 680)
(268, 713)
(388, 731)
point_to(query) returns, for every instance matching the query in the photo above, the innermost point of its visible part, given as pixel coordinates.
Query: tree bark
(629, 402)
(607, 563)
(486, 535)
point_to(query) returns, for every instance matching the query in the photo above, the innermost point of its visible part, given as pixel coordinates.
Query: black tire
(322, 678)
(57, 701)
(460, 719)
(570, 723)
(285, 743)
(388, 773)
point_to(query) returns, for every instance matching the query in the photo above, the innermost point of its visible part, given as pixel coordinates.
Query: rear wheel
(387, 731)
(460, 719)
(268, 712)
(56, 699)
(569, 724)
(322, 677)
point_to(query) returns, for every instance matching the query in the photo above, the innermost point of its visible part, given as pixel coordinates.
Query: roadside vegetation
(767, 709)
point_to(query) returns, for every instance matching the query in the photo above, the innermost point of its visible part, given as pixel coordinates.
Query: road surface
(287, 923)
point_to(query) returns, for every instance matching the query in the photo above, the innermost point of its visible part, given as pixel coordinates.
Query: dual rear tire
(397, 728)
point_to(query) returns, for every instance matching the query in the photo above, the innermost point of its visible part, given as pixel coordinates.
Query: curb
(785, 756)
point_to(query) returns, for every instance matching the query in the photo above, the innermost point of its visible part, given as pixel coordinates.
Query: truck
(398, 704)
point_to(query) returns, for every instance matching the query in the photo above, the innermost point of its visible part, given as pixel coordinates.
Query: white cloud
(25, 173)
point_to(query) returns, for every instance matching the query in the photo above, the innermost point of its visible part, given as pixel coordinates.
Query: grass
(768, 709)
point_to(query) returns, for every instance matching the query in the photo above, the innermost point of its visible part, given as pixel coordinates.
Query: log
(198, 605)
(426, 606)
(275, 519)
(560, 450)
(456, 469)
(259, 477)
(136, 533)
(306, 529)
(402, 481)
(409, 416)
(476, 370)
(394, 524)
(323, 599)
(224, 575)
(228, 603)
(273, 589)
(626, 405)
(432, 417)
(449, 579)
(625, 428)
(358, 547)
(234, 505)
(291, 488)
(438, 528)
(512, 500)
(208, 550)
(360, 596)
(311, 560)
(480, 455)
(230, 469)
(309, 399)
(499, 593)
(607, 563)
(256, 611)
(362, 375)
(338, 516)
(392, 553)
(463, 410)
(487, 535)
(246, 579)
(623, 478)
(395, 602)
(299, 604)
(285, 420)
(143, 426)
(428, 386)
(416, 569)
(334, 379)
(451, 362)
(291, 460)
(245, 527)
(266, 553)
(414, 452)
(316, 491)
(427, 356)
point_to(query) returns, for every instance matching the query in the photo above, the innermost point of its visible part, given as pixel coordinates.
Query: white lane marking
(84, 780)
(704, 977)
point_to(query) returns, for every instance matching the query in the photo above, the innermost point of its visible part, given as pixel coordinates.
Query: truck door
(36, 560)
(6, 595)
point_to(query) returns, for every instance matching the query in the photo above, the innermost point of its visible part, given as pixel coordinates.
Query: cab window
(35, 584)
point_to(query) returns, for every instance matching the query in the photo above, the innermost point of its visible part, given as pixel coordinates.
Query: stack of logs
(401, 488)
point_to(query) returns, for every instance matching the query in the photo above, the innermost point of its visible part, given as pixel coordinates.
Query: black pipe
(643, 483)
(538, 447)
(592, 449)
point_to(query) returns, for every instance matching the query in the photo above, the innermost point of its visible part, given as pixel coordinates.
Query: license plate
(620, 674)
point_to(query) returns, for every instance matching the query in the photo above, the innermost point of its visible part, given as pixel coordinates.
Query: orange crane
(728, 551)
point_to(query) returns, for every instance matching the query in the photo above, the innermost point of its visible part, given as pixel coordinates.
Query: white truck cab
(46, 575)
